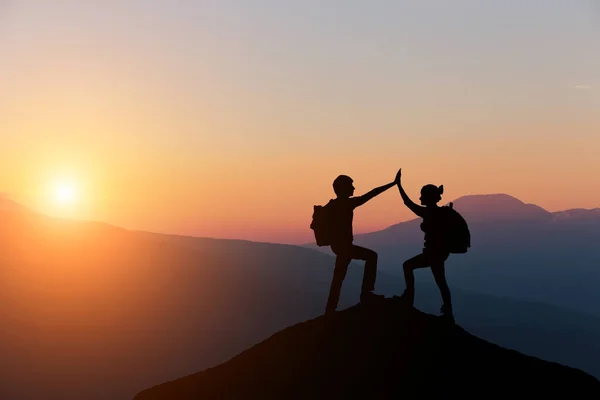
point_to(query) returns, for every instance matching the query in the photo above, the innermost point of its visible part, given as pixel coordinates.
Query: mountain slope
(384, 352)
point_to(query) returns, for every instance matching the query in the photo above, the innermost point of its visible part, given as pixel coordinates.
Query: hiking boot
(446, 309)
(447, 313)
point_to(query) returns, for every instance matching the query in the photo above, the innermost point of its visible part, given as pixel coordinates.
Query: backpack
(322, 224)
(458, 236)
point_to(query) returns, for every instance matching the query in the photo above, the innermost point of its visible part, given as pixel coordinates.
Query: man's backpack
(458, 236)
(322, 224)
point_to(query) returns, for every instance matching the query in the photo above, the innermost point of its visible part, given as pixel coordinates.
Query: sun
(65, 193)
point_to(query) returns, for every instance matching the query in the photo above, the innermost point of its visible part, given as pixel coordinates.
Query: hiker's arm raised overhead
(360, 200)
(407, 201)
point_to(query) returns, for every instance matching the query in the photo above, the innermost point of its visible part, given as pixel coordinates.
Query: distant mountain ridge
(504, 208)
(499, 206)
(578, 214)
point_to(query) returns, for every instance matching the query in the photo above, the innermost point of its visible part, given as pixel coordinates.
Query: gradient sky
(231, 118)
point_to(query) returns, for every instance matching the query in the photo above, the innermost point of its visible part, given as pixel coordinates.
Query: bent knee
(370, 255)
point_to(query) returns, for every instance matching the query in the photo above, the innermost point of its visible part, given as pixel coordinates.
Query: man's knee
(407, 265)
(362, 253)
(372, 256)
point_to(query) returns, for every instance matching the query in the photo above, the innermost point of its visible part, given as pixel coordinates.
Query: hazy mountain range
(93, 311)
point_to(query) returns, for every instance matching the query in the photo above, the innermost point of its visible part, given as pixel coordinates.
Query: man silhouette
(342, 214)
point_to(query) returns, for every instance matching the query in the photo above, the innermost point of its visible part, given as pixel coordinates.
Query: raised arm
(418, 210)
(360, 200)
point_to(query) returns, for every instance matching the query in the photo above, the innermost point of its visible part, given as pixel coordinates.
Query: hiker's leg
(370, 273)
(418, 261)
(339, 273)
(439, 274)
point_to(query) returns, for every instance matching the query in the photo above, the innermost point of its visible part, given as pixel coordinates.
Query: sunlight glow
(65, 193)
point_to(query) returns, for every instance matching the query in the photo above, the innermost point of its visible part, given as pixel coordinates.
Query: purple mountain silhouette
(499, 207)
(577, 214)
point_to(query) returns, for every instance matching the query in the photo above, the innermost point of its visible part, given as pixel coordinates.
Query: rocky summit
(381, 351)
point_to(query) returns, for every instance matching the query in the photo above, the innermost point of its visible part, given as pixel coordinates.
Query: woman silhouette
(435, 252)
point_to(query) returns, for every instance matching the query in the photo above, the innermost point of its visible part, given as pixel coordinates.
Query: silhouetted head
(343, 187)
(431, 194)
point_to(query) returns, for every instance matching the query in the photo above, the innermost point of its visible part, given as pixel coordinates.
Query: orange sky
(237, 127)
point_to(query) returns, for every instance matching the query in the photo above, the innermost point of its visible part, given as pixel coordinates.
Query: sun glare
(65, 193)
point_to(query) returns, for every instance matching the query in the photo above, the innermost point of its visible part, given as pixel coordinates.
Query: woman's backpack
(458, 236)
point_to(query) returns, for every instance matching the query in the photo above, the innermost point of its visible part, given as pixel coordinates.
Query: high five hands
(398, 176)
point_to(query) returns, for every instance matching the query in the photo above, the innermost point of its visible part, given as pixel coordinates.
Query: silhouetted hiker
(332, 224)
(440, 241)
